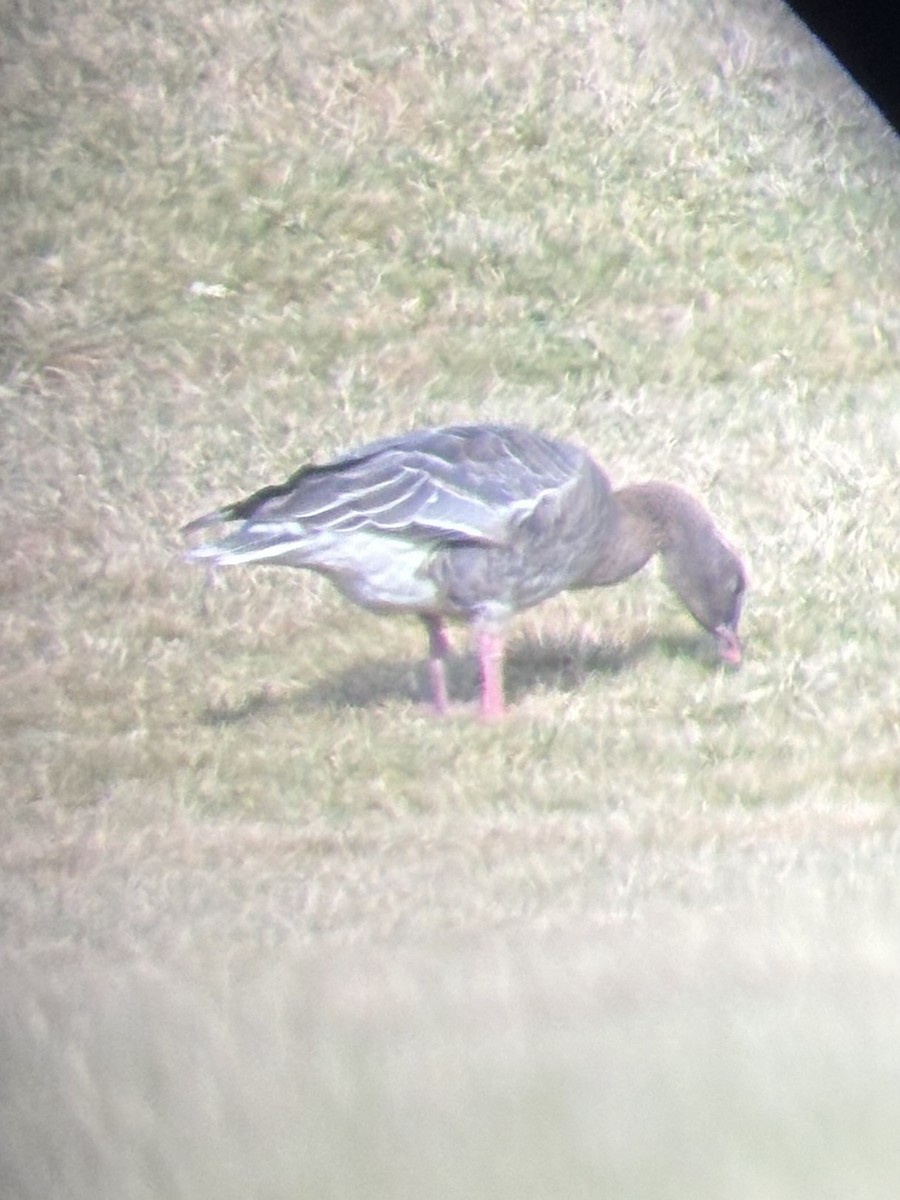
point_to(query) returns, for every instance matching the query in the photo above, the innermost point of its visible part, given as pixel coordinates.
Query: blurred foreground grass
(270, 930)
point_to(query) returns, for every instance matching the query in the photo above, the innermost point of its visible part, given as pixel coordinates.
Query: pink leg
(490, 655)
(438, 649)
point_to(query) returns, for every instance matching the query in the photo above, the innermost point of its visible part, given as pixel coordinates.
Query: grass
(268, 928)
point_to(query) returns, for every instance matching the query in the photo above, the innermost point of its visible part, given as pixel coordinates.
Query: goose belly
(374, 571)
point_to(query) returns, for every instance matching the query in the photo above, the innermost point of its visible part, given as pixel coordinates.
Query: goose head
(708, 575)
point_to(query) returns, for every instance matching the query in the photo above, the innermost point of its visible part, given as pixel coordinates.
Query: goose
(475, 523)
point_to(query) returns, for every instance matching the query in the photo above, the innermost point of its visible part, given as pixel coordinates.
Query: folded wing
(451, 485)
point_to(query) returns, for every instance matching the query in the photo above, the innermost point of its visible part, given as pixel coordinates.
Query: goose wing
(456, 484)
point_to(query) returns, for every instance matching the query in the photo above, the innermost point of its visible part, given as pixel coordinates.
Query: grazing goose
(474, 523)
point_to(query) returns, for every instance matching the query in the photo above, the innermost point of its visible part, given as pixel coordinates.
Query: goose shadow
(555, 663)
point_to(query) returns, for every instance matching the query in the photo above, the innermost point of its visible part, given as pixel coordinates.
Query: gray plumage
(474, 523)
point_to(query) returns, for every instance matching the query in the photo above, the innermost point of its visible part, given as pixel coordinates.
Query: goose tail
(217, 517)
(250, 542)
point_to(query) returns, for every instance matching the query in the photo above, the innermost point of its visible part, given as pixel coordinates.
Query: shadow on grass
(557, 664)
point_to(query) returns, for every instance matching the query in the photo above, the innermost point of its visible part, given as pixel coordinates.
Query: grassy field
(270, 930)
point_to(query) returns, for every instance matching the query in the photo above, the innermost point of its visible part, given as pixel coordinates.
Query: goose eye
(737, 597)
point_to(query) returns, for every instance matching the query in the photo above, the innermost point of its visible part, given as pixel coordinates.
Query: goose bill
(728, 645)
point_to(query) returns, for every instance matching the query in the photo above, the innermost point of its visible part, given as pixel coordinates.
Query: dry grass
(270, 930)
